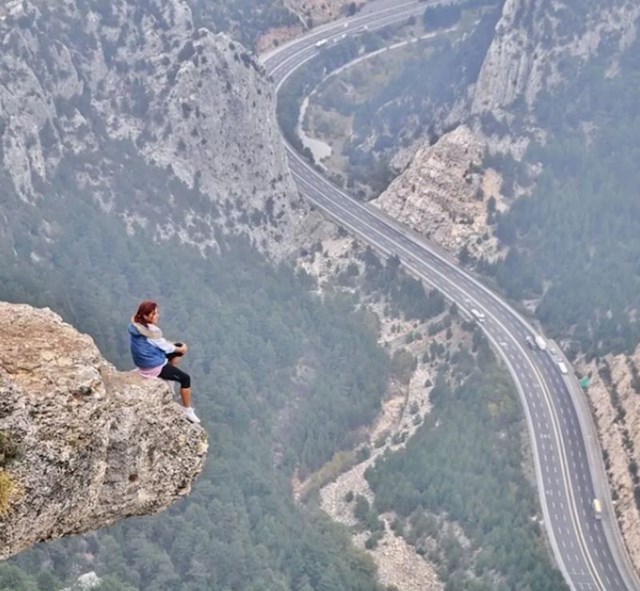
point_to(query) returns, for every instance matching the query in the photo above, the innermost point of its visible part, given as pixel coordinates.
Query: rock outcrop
(444, 193)
(94, 445)
(613, 396)
(535, 42)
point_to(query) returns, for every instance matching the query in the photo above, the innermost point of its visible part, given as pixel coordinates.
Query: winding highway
(569, 470)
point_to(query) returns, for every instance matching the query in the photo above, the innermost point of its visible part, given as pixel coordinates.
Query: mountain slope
(129, 106)
(555, 114)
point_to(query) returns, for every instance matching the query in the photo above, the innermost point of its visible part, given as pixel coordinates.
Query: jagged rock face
(613, 395)
(95, 445)
(443, 194)
(82, 79)
(538, 43)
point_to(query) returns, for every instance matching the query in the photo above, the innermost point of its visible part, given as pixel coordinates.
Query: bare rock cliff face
(613, 396)
(94, 445)
(443, 194)
(538, 43)
(89, 88)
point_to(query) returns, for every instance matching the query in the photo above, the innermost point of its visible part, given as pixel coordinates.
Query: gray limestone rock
(95, 445)
(89, 88)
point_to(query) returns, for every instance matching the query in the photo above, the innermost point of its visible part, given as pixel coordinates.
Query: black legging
(170, 372)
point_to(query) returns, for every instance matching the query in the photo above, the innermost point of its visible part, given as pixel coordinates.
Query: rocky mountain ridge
(444, 194)
(129, 106)
(538, 43)
(613, 393)
(91, 445)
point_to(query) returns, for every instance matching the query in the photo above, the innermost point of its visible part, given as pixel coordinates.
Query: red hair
(144, 309)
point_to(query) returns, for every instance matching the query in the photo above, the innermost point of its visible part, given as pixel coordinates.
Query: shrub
(361, 509)
(364, 453)
(7, 488)
(381, 439)
(8, 449)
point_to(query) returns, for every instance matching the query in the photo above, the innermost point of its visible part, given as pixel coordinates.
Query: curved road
(569, 472)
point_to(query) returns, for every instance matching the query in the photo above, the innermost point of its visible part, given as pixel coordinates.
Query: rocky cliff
(129, 106)
(90, 445)
(613, 397)
(538, 44)
(444, 194)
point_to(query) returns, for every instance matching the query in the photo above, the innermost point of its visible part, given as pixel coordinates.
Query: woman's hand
(182, 348)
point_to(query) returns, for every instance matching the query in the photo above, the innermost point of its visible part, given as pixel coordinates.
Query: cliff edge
(92, 445)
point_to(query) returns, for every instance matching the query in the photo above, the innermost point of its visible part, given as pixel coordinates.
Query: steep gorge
(537, 47)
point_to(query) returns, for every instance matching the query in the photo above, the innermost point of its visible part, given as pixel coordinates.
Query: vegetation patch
(248, 325)
(578, 233)
(8, 452)
(7, 488)
(8, 449)
(459, 489)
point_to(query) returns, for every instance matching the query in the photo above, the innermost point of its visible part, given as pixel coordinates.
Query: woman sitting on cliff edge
(155, 357)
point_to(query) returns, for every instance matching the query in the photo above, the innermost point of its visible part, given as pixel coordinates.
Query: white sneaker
(191, 415)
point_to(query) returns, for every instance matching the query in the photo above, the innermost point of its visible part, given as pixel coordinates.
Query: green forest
(580, 229)
(249, 325)
(465, 464)
(252, 326)
(247, 20)
(242, 18)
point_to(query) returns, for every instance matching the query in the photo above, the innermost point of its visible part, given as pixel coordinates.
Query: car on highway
(479, 316)
(542, 344)
(597, 509)
(563, 367)
(530, 342)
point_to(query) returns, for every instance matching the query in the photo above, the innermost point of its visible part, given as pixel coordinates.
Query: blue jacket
(145, 354)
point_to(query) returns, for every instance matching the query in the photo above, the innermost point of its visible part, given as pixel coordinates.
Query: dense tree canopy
(580, 230)
(249, 326)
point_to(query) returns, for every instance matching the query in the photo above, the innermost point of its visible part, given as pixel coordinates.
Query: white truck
(542, 344)
(563, 367)
(479, 316)
(321, 42)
